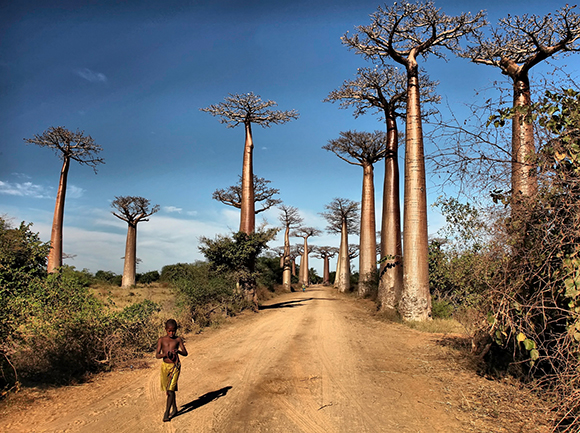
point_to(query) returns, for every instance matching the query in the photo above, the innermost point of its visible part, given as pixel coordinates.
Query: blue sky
(133, 75)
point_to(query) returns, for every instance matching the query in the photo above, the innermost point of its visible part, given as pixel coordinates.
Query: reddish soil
(315, 362)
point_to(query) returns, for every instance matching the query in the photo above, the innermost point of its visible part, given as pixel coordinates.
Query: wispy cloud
(74, 191)
(91, 76)
(172, 209)
(26, 189)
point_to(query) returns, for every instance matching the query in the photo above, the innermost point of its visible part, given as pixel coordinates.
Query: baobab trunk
(130, 266)
(304, 264)
(287, 264)
(247, 211)
(524, 180)
(391, 270)
(337, 273)
(368, 237)
(55, 253)
(326, 272)
(415, 300)
(344, 269)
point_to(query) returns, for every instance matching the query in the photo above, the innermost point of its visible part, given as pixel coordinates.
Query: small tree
(245, 109)
(132, 210)
(363, 149)
(342, 216)
(236, 256)
(232, 196)
(305, 233)
(290, 219)
(68, 146)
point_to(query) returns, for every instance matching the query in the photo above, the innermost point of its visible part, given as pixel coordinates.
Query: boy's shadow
(202, 400)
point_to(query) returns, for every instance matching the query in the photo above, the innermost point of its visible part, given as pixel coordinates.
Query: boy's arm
(181, 349)
(158, 353)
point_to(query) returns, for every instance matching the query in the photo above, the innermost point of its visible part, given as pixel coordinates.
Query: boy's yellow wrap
(170, 375)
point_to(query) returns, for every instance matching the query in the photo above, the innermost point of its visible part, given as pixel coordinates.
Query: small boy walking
(169, 347)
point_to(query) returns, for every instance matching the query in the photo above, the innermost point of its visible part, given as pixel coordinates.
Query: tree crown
(69, 145)
(406, 30)
(232, 196)
(289, 216)
(527, 40)
(383, 88)
(248, 108)
(133, 209)
(364, 147)
(339, 210)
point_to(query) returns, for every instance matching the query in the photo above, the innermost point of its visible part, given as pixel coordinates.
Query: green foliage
(236, 255)
(148, 277)
(441, 309)
(269, 272)
(52, 329)
(313, 276)
(108, 277)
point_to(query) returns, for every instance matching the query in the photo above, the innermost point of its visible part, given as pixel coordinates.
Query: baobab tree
(383, 91)
(245, 109)
(263, 194)
(363, 149)
(516, 45)
(132, 210)
(305, 233)
(325, 253)
(68, 146)
(342, 216)
(290, 219)
(403, 32)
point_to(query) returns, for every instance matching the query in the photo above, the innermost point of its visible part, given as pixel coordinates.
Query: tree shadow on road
(287, 304)
(202, 400)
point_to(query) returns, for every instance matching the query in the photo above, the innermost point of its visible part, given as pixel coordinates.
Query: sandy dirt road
(311, 362)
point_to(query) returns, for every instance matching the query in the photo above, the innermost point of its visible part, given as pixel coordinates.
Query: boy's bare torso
(168, 345)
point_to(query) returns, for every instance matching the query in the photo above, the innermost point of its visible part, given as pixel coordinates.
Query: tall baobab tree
(342, 216)
(404, 32)
(325, 253)
(517, 45)
(290, 219)
(132, 210)
(363, 149)
(305, 233)
(68, 146)
(245, 109)
(263, 194)
(383, 90)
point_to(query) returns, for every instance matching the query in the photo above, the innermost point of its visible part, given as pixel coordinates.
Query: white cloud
(74, 191)
(91, 76)
(172, 209)
(26, 189)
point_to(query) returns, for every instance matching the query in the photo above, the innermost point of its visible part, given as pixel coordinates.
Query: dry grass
(118, 298)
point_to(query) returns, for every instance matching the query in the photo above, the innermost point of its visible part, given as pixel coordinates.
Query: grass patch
(437, 326)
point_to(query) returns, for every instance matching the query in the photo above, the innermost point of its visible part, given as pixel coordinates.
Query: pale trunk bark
(130, 267)
(415, 300)
(287, 272)
(247, 214)
(55, 253)
(337, 273)
(368, 237)
(326, 272)
(524, 179)
(391, 276)
(304, 264)
(344, 273)
(294, 267)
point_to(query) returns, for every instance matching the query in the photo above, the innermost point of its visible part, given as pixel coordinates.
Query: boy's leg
(174, 411)
(170, 403)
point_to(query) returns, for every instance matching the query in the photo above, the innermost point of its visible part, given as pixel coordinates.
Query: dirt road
(308, 362)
